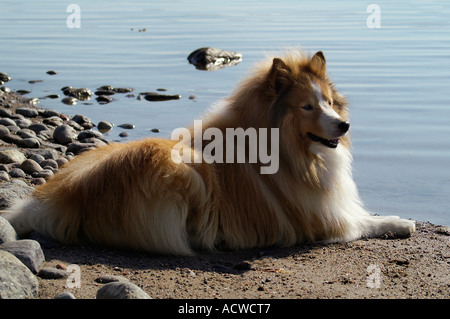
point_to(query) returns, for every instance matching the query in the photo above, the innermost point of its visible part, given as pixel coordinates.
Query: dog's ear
(319, 64)
(280, 75)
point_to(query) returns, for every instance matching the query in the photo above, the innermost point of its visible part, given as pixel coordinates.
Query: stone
(28, 251)
(154, 97)
(126, 126)
(82, 94)
(4, 176)
(104, 99)
(63, 134)
(52, 273)
(4, 130)
(11, 138)
(30, 142)
(51, 163)
(17, 173)
(121, 290)
(38, 127)
(104, 126)
(26, 133)
(11, 155)
(16, 280)
(91, 133)
(79, 147)
(69, 100)
(29, 166)
(23, 123)
(7, 122)
(44, 152)
(45, 173)
(5, 77)
(27, 112)
(105, 279)
(65, 295)
(7, 232)
(13, 191)
(38, 181)
(212, 59)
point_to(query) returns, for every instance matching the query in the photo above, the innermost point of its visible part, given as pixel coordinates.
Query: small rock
(26, 133)
(123, 134)
(38, 127)
(27, 112)
(69, 100)
(45, 173)
(29, 166)
(7, 122)
(90, 133)
(51, 163)
(5, 77)
(103, 99)
(23, 123)
(105, 92)
(51, 72)
(121, 290)
(13, 191)
(154, 97)
(62, 161)
(4, 176)
(38, 181)
(11, 155)
(123, 90)
(52, 273)
(12, 139)
(105, 279)
(65, 295)
(126, 126)
(17, 173)
(104, 126)
(80, 119)
(155, 130)
(7, 232)
(3, 130)
(63, 134)
(30, 142)
(28, 251)
(44, 152)
(81, 94)
(16, 280)
(212, 59)
(78, 147)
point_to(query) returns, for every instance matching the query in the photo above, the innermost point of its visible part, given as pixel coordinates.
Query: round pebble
(29, 166)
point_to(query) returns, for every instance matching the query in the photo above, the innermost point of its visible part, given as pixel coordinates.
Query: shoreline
(381, 268)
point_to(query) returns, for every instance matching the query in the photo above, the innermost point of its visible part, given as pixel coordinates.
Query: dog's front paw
(403, 227)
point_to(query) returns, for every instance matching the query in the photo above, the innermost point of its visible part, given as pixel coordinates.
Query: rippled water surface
(397, 77)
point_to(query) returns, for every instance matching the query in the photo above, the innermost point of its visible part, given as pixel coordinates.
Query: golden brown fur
(134, 196)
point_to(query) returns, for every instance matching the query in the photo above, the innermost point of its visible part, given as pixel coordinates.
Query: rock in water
(211, 59)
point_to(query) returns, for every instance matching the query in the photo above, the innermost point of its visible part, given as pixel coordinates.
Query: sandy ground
(414, 267)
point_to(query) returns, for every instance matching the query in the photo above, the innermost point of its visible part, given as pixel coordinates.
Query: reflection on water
(396, 76)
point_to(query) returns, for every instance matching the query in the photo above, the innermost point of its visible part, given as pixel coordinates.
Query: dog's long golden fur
(133, 196)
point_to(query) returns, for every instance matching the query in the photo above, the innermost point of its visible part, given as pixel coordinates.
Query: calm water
(396, 77)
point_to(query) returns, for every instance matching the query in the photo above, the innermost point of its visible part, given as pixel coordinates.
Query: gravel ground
(415, 267)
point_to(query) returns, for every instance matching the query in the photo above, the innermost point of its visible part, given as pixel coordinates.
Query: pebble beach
(35, 142)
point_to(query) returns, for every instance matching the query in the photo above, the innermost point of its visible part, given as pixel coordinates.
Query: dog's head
(305, 103)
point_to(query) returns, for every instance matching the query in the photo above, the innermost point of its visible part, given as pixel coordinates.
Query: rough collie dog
(134, 196)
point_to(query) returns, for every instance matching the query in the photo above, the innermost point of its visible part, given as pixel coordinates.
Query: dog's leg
(379, 225)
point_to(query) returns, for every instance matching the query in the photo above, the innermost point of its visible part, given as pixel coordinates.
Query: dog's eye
(330, 103)
(307, 107)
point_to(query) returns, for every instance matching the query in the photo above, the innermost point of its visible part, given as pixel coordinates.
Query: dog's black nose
(344, 126)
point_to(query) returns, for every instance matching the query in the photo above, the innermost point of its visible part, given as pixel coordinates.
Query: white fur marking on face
(329, 119)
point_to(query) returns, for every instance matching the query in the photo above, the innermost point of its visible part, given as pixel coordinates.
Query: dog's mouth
(333, 143)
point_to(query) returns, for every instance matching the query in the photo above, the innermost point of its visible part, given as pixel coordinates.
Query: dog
(135, 196)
